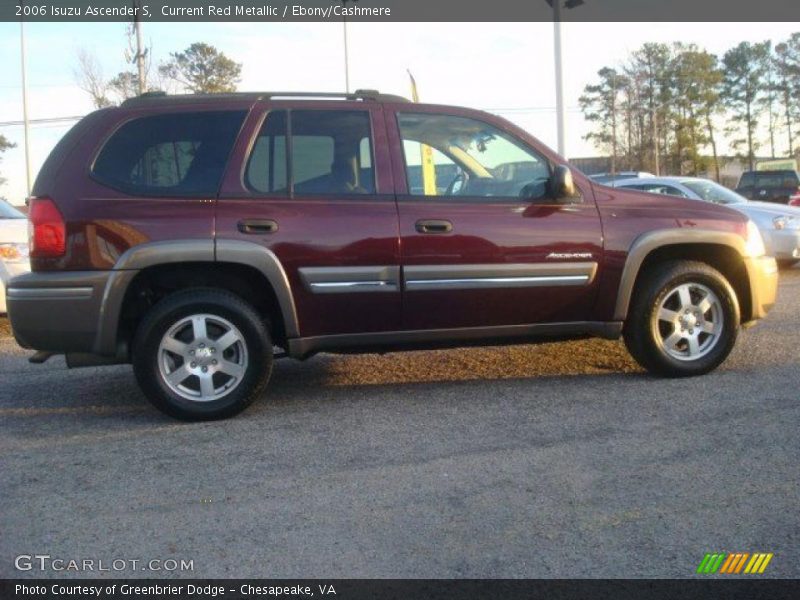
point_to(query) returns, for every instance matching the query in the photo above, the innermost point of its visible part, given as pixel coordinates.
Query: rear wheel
(202, 354)
(683, 320)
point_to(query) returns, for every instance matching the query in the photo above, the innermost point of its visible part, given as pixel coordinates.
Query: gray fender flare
(181, 251)
(652, 240)
(264, 260)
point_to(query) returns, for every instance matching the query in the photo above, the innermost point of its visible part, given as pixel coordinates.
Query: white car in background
(779, 224)
(13, 247)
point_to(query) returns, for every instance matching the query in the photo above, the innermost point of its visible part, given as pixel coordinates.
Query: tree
(650, 67)
(600, 104)
(769, 96)
(89, 77)
(741, 91)
(107, 92)
(697, 79)
(202, 69)
(4, 145)
(125, 85)
(787, 60)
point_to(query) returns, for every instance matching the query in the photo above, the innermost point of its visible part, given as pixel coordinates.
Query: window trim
(141, 192)
(249, 157)
(290, 194)
(469, 198)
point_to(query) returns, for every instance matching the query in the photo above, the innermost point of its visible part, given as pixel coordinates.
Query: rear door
(482, 245)
(312, 183)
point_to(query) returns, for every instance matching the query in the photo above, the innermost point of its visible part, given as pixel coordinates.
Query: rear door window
(170, 154)
(323, 152)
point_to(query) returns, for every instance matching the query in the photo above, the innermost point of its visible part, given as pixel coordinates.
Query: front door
(314, 187)
(482, 243)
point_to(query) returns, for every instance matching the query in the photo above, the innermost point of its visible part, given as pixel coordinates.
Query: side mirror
(562, 187)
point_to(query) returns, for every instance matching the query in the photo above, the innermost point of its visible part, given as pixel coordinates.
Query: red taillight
(46, 229)
(794, 199)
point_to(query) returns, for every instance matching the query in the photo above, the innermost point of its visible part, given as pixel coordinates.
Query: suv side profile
(192, 235)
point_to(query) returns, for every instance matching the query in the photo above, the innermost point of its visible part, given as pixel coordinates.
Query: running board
(452, 338)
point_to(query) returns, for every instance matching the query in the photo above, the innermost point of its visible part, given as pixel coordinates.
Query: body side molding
(647, 242)
(337, 280)
(483, 276)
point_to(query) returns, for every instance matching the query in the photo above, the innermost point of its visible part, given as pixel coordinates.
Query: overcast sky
(503, 67)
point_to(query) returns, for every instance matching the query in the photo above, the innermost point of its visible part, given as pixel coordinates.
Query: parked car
(612, 178)
(190, 235)
(779, 225)
(13, 247)
(781, 187)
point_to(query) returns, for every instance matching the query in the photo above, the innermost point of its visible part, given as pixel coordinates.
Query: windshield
(9, 212)
(713, 192)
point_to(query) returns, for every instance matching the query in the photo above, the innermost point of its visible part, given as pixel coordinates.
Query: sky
(506, 68)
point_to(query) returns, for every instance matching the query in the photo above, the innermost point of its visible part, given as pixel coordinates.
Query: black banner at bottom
(390, 589)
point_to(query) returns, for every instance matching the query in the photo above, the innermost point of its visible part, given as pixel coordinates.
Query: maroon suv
(192, 235)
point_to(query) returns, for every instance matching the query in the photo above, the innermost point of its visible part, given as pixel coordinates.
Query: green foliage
(660, 111)
(4, 145)
(744, 70)
(202, 69)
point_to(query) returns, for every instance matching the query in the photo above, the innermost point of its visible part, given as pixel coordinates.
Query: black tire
(644, 334)
(252, 350)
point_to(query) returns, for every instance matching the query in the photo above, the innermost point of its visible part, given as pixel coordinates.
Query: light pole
(346, 57)
(26, 124)
(140, 53)
(560, 109)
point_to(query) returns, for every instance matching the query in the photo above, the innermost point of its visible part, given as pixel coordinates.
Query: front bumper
(763, 275)
(60, 312)
(783, 244)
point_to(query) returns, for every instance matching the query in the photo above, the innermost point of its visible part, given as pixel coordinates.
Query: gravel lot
(526, 461)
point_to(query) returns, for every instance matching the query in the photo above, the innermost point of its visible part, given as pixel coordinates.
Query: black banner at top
(399, 10)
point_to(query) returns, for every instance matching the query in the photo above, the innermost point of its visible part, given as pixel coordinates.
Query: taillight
(794, 199)
(46, 229)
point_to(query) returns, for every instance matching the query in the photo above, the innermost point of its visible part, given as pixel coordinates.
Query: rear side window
(169, 155)
(329, 152)
(747, 179)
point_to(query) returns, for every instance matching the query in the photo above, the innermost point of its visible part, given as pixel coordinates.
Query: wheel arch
(721, 250)
(244, 268)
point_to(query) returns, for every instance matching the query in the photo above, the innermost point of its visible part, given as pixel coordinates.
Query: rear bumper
(63, 312)
(763, 275)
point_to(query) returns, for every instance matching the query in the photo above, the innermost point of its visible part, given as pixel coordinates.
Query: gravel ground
(554, 460)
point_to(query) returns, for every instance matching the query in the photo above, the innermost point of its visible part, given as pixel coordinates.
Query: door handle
(434, 226)
(257, 226)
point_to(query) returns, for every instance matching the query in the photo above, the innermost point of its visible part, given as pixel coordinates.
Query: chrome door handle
(258, 226)
(434, 226)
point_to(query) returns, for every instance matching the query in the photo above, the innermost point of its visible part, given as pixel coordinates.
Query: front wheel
(202, 354)
(683, 320)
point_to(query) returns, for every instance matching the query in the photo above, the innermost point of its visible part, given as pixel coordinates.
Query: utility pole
(140, 52)
(560, 109)
(25, 121)
(346, 57)
(560, 113)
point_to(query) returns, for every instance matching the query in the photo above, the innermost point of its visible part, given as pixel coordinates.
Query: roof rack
(363, 95)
